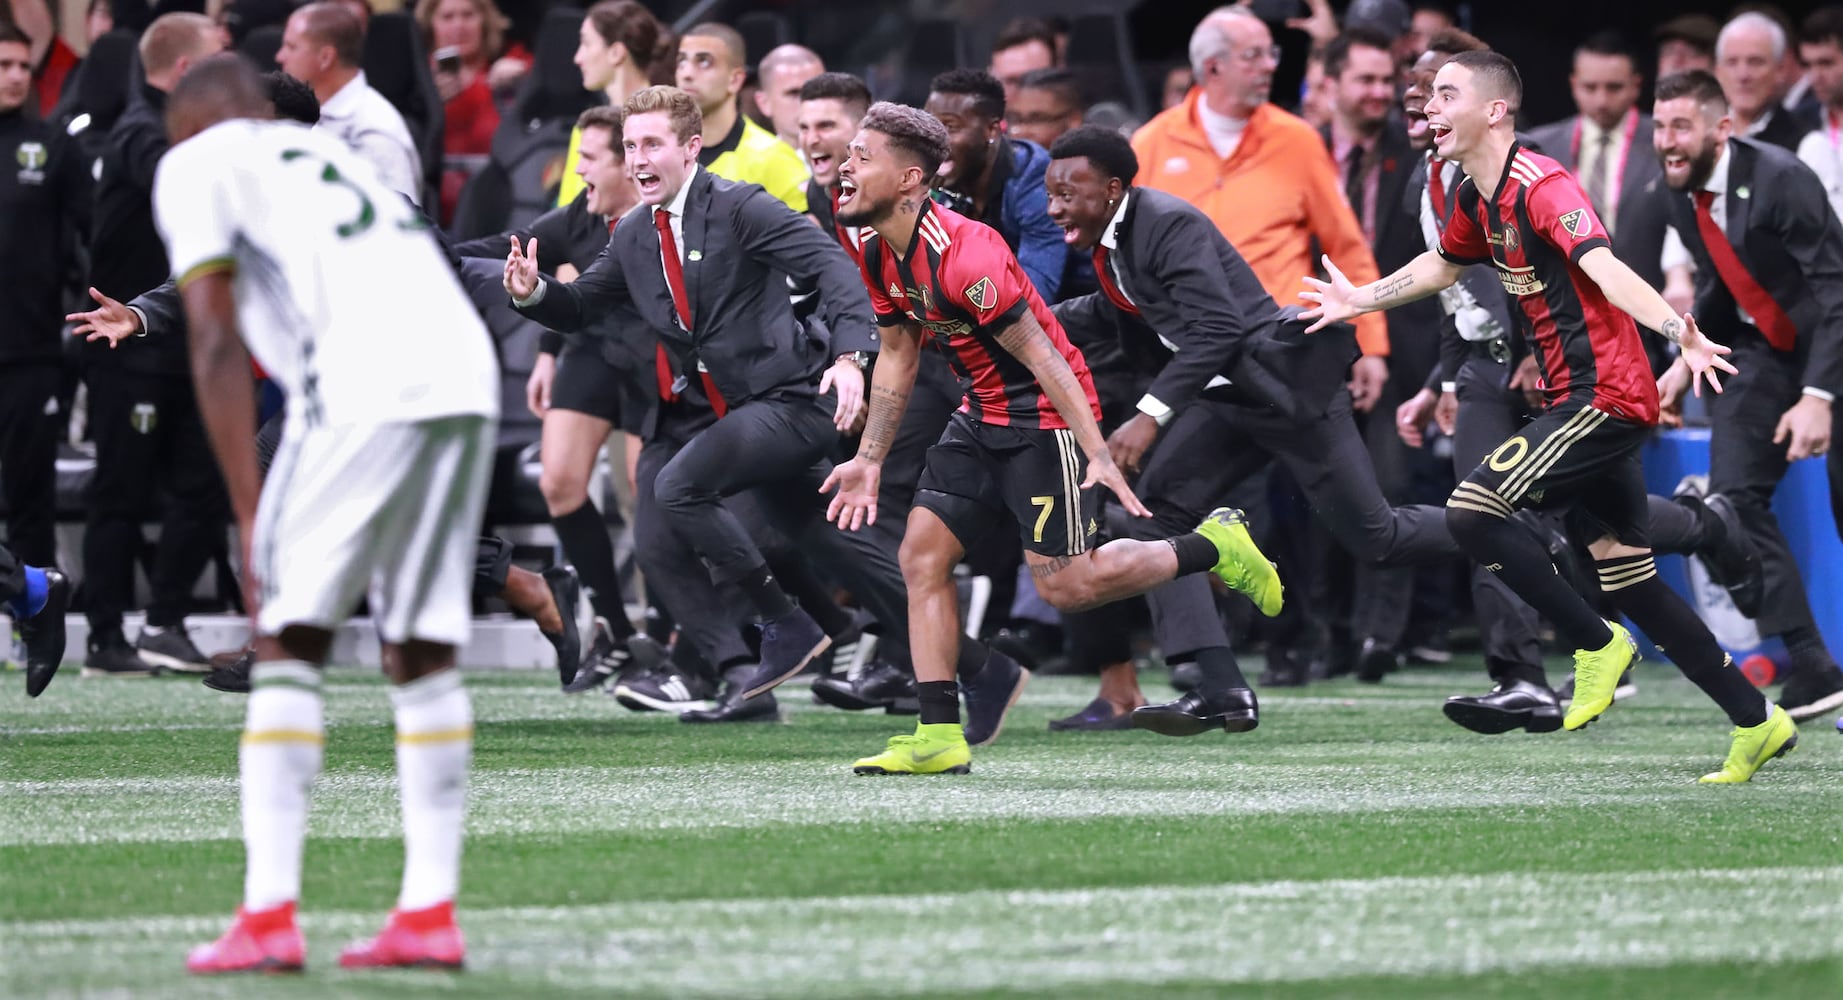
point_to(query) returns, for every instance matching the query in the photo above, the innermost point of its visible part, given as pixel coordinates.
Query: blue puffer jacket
(1020, 213)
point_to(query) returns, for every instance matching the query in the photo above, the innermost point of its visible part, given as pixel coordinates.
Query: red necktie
(1772, 320)
(1105, 276)
(675, 279)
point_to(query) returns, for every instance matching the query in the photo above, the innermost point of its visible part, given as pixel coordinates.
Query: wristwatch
(859, 358)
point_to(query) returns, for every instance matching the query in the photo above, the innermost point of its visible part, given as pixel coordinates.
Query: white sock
(283, 740)
(435, 739)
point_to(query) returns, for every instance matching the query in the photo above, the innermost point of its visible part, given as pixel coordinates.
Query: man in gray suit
(1607, 145)
(705, 267)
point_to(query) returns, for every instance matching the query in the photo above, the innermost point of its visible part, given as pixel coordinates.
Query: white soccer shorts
(393, 508)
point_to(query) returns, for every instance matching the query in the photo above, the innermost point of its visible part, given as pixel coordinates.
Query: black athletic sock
(1221, 673)
(584, 537)
(940, 702)
(1633, 583)
(763, 591)
(1515, 555)
(1805, 645)
(1195, 553)
(971, 660)
(797, 578)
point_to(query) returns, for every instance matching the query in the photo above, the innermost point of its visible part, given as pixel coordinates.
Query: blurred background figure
(474, 70)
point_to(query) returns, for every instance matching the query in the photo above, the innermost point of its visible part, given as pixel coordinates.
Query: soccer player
(1025, 447)
(279, 234)
(1576, 303)
(36, 598)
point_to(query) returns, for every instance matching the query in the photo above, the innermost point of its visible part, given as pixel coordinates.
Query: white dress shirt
(371, 126)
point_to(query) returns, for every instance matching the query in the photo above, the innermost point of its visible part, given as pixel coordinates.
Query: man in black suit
(705, 267)
(1769, 281)
(1237, 386)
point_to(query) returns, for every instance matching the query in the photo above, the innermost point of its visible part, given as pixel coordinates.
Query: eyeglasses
(1254, 54)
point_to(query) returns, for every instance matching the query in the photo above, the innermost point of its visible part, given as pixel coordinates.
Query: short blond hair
(676, 104)
(493, 25)
(176, 36)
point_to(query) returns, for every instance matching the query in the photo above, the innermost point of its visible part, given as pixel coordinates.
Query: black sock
(815, 597)
(940, 702)
(584, 537)
(1195, 553)
(1633, 583)
(1220, 671)
(760, 587)
(1511, 552)
(971, 659)
(1805, 645)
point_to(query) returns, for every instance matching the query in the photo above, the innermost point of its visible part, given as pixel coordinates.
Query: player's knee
(564, 489)
(924, 563)
(1066, 585)
(1468, 525)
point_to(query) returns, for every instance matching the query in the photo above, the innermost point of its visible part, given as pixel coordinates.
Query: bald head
(174, 42)
(783, 71)
(219, 89)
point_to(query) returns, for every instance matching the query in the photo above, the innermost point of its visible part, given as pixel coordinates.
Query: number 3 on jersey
(367, 213)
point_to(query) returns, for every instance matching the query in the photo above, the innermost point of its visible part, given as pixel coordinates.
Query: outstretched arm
(1338, 300)
(1631, 293)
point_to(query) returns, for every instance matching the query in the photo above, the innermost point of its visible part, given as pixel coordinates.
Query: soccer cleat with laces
(1596, 677)
(171, 649)
(607, 658)
(1753, 746)
(411, 939)
(264, 941)
(1240, 563)
(935, 749)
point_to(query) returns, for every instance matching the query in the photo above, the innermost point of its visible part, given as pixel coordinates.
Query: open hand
(522, 269)
(110, 321)
(1103, 472)
(1703, 356)
(857, 482)
(1336, 299)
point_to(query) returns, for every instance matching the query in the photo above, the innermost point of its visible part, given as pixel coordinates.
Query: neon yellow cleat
(936, 749)
(1240, 562)
(1754, 746)
(1596, 677)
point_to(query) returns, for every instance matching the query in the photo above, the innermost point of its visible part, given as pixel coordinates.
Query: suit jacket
(1780, 223)
(741, 245)
(1785, 129)
(1479, 280)
(1203, 313)
(1640, 217)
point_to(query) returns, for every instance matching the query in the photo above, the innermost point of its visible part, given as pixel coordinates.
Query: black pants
(1213, 446)
(31, 418)
(149, 438)
(1747, 467)
(761, 441)
(12, 574)
(1489, 413)
(785, 518)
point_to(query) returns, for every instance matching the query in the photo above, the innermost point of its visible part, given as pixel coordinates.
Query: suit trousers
(1489, 413)
(1746, 467)
(149, 438)
(12, 575)
(31, 419)
(1212, 446)
(761, 441)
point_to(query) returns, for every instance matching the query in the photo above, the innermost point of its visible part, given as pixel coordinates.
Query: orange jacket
(1270, 197)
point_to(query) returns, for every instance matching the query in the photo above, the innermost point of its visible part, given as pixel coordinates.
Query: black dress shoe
(1730, 556)
(1098, 717)
(43, 634)
(1236, 711)
(879, 685)
(232, 674)
(1509, 706)
(1375, 661)
(566, 591)
(735, 708)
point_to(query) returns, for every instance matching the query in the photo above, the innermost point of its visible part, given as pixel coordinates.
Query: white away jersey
(343, 295)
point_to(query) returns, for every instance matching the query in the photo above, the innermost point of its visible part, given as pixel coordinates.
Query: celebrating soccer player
(1576, 303)
(1025, 447)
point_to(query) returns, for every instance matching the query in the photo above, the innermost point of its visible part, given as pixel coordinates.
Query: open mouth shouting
(648, 183)
(847, 191)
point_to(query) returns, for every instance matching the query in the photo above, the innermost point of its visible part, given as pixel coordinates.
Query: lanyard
(1617, 182)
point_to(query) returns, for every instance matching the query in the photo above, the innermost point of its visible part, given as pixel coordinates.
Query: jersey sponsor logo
(982, 294)
(942, 327)
(1576, 223)
(1519, 281)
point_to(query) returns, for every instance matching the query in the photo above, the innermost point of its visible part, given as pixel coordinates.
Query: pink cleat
(422, 939)
(264, 941)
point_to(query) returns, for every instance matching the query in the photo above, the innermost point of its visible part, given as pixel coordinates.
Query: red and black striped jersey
(1535, 229)
(962, 284)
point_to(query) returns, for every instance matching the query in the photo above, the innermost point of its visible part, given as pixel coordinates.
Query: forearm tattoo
(1026, 341)
(886, 409)
(1389, 289)
(1672, 330)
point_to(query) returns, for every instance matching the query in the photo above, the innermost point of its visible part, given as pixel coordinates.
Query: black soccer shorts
(1573, 457)
(979, 476)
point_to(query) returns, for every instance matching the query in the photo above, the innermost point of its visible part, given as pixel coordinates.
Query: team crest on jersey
(927, 299)
(981, 294)
(31, 157)
(1576, 223)
(144, 418)
(1511, 239)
